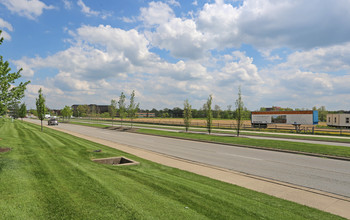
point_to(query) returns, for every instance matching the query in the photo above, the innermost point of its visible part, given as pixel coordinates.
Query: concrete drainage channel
(116, 161)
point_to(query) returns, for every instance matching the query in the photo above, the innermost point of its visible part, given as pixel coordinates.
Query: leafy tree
(66, 112)
(187, 114)
(209, 114)
(217, 111)
(22, 111)
(239, 111)
(322, 113)
(133, 107)
(122, 107)
(14, 110)
(83, 110)
(40, 107)
(9, 94)
(112, 109)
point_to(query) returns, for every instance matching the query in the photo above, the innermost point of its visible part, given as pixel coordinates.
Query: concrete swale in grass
(116, 161)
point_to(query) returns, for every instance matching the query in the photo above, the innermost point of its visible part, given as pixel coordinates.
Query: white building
(338, 120)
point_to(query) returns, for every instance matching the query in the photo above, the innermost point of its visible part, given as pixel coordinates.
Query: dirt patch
(116, 161)
(121, 129)
(4, 149)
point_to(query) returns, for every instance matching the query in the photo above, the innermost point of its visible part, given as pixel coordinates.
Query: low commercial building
(339, 120)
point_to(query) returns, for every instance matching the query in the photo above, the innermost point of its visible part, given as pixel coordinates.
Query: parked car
(52, 121)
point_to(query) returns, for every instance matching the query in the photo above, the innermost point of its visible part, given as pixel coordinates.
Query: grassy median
(275, 144)
(50, 175)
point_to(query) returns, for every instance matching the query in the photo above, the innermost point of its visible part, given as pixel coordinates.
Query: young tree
(239, 111)
(217, 111)
(67, 112)
(133, 107)
(112, 109)
(40, 107)
(122, 108)
(209, 113)
(187, 114)
(9, 94)
(23, 111)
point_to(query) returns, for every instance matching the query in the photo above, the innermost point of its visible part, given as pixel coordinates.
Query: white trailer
(262, 119)
(338, 120)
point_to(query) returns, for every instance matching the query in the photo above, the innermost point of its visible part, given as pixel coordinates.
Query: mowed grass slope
(50, 175)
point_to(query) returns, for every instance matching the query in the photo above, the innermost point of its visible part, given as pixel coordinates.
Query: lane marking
(235, 155)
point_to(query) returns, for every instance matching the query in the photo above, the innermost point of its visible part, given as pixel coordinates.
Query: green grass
(276, 144)
(50, 175)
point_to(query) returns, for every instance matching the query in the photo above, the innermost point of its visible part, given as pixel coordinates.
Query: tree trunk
(41, 125)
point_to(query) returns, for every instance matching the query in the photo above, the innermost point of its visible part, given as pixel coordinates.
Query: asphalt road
(327, 175)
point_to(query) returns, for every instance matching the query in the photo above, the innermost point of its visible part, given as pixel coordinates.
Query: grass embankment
(275, 144)
(50, 175)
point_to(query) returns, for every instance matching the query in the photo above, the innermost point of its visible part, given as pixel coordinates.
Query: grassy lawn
(50, 175)
(286, 145)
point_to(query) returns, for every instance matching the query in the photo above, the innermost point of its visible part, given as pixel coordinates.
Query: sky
(287, 53)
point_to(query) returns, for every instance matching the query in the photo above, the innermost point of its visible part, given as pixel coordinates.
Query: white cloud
(67, 4)
(26, 8)
(173, 2)
(5, 24)
(326, 59)
(8, 26)
(273, 24)
(157, 13)
(89, 12)
(181, 38)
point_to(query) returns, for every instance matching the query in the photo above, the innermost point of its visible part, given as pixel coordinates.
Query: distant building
(338, 120)
(146, 115)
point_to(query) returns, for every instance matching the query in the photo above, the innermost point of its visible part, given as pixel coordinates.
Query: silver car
(52, 121)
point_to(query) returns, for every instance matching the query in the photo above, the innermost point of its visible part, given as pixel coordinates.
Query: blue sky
(287, 53)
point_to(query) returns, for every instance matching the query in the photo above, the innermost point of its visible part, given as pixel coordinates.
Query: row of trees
(217, 112)
(122, 110)
(187, 113)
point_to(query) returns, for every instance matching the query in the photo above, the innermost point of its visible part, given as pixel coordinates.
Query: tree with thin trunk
(239, 111)
(217, 111)
(40, 107)
(66, 112)
(187, 114)
(9, 94)
(112, 109)
(23, 111)
(209, 113)
(122, 108)
(132, 108)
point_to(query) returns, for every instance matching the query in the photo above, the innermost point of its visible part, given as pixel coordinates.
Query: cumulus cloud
(157, 13)
(27, 8)
(327, 59)
(273, 24)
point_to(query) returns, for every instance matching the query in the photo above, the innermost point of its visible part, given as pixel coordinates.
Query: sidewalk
(328, 202)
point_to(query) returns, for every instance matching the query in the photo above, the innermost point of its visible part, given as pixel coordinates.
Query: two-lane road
(318, 173)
